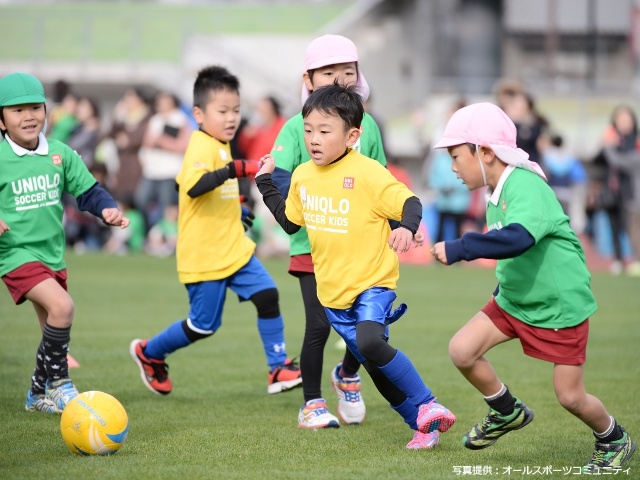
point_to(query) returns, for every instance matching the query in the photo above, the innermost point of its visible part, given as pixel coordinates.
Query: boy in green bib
(543, 297)
(34, 172)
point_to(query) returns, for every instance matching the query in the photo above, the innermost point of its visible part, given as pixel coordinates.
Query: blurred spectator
(452, 196)
(567, 177)
(529, 124)
(163, 146)
(163, 236)
(131, 239)
(621, 151)
(258, 136)
(86, 134)
(399, 171)
(63, 119)
(130, 118)
(83, 231)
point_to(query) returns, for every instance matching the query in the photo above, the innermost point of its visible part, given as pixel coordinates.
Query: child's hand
(114, 216)
(439, 253)
(3, 227)
(418, 238)
(267, 165)
(400, 240)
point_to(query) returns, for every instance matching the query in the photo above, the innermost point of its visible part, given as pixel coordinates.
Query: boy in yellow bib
(345, 200)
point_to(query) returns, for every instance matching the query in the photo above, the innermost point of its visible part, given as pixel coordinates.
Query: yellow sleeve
(390, 193)
(199, 159)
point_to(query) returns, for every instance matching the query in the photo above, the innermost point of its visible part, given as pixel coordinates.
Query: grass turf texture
(219, 422)
(115, 31)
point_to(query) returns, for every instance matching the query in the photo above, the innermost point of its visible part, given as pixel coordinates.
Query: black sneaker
(610, 456)
(495, 425)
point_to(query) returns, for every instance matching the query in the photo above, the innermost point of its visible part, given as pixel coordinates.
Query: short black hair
(337, 100)
(213, 79)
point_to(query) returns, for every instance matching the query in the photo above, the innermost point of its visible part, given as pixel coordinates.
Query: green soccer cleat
(610, 456)
(494, 425)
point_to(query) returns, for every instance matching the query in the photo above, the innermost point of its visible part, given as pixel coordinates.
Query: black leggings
(373, 345)
(316, 334)
(371, 342)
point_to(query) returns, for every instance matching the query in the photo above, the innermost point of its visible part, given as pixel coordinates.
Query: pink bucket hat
(331, 50)
(486, 124)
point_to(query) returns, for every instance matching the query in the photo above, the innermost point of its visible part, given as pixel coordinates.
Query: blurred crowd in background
(138, 154)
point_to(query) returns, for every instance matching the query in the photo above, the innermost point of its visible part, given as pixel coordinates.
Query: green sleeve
(373, 146)
(289, 145)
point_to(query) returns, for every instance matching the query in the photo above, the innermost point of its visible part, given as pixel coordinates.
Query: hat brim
(24, 100)
(326, 61)
(446, 142)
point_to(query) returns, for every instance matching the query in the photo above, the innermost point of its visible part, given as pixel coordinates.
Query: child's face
(24, 123)
(347, 73)
(325, 137)
(220, 117)
(464, 163)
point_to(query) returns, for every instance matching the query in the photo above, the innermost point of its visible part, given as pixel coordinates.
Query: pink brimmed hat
(486, 124)
(332, 50)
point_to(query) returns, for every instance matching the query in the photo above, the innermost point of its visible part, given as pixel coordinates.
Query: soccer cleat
(351, 408)
(432, 416)
(315, 414)
(285, 377)
(494, 425)
(61, 392)
(610, 456)
(153, 372)
(424, 440)
(40, 403)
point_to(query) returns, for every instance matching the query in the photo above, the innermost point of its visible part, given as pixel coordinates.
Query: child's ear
(307, 81)
(488, 156)
(352, 136)
(198, 115)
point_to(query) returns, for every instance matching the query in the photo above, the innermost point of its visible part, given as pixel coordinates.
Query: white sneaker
(315, 414)
(351, 407)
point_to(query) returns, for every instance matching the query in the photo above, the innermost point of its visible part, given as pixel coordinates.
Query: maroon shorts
(566, 346)
(27, 276)
(301, 264)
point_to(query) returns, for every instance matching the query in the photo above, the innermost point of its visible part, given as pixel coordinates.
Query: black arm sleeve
(275, 203)
(95, 200)
(208, 182)
(411, 214)
(508, 242)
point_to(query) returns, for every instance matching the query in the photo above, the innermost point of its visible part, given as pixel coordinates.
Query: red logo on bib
(348, 182)
(57, 159)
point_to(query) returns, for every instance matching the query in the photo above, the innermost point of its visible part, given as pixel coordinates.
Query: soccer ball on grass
(94, 423)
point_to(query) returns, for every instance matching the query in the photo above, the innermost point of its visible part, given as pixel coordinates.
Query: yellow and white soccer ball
(94, 423)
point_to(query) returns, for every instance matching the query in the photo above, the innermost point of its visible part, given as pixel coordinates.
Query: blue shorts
(206, 299)
(373, 305)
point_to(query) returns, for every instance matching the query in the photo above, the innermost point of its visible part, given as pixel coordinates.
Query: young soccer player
(213, 253)
(34, 172)
(543, 296)
(345, 200)
(327, 57)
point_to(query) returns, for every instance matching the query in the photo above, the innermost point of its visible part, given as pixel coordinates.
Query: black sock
(504, 404)
(56, 346)
(39, 377)
(612, 436)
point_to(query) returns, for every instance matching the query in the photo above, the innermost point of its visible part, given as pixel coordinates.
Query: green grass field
(142, 31)
(219, 422)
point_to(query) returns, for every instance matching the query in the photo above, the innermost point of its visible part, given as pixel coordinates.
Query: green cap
(19, 89)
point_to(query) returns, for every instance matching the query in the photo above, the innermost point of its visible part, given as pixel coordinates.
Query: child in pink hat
(543, 296)
(327, 58)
